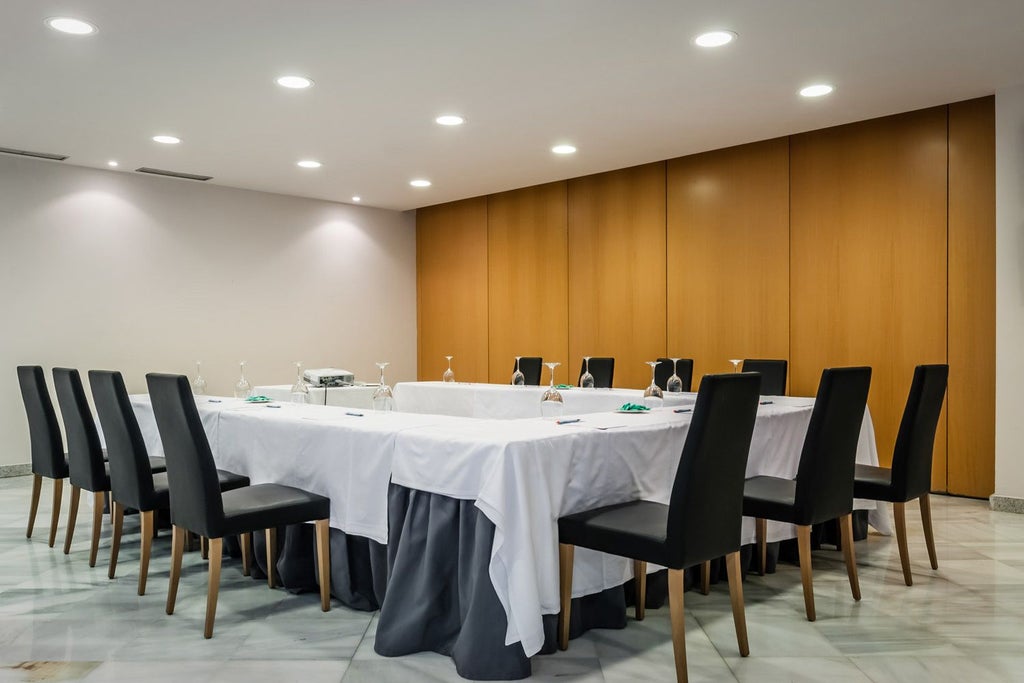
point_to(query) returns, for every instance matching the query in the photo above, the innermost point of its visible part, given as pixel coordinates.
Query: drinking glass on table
(674, 383)
(199, 384)
(242, 389)
(448, 375)
(383, 399)
(551, 403)
(653, 395)
(586, 379)
(518, 378)
(300, 392)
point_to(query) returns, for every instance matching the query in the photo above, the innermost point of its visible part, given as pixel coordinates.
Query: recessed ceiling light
(112, 163)
(450, 120)
(294, 82)
(715, 38)
(420, 182)
(75, 27)
(816, 90)
(357, 199)
(309, 163)
(166, 139)
(563, 149)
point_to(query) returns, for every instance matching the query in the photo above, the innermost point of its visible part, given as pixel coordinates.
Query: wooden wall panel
(451, 289)
(728, 255)
(868, 257)
(617, 271)
(527, 281)
(972, 311)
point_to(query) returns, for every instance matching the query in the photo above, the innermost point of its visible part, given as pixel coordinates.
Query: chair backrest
(131, 478)
(773, 374)
(43, 430)
(603, 370)
(912, 457)
(85, 451)
(531, 367)
(706, 508)
(191, 475)
(684, 368)
(824, 480)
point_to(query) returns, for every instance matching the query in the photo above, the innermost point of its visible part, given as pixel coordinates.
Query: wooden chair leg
(803, 541)
(204, 548)
(245, 540)
(761, 528)
(929, 536)
(565, 557)
(69, 533)
(739, 618)
(115, 538)
(640, 581)
(147, 546)
(58, 488)
(177, 550)
(323, 562)
(846, 529)
(705, 577)
(216, 544)
(33, 506)
(98, 500)
(899, 513)
(678, 618)
(271, 556)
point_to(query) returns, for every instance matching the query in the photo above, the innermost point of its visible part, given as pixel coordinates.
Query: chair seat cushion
(157, 464)
(635, 530)
(252, 508)
(161, 489)
(770, 498)
(874, 483)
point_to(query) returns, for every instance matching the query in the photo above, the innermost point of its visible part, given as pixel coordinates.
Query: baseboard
(15, 470)
(1006, 504)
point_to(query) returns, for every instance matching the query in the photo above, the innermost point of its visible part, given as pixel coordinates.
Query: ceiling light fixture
(563, 149)
(166, 139)
(112, 163)
(309, 163)
(450, 120)
(357, 199)
(75, 27)
(817, 90)
(715, 38)
(420, 182)
(294, 82)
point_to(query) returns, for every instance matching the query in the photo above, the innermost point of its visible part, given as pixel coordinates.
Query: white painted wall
(1010, 292)
(103, 269)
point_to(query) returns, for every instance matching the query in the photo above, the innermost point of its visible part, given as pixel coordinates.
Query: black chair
(823, 488)
(132, 482)
(47, 445)
(531, 366)
(197, 504)
(702, 520)
(603, 370)
(773, 375)
(911, 473)
(683, 368)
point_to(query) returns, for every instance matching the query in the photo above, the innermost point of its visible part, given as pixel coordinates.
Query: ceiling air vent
(34, 155)
(173, 174)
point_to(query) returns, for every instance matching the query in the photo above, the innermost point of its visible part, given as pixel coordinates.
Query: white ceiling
(620, 79)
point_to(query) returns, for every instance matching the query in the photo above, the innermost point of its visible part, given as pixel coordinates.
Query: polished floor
(62, 621)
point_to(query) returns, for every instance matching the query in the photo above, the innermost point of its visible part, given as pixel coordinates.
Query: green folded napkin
(633, 407)
(258, 399)
(564, 386)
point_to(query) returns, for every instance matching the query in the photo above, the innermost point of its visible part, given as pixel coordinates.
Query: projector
(329, 377)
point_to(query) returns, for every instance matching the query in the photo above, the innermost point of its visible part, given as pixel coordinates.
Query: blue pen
(682, 410)
(354, 414)
(567, 422)
(213, 400)
(273, 406)
(767, 403)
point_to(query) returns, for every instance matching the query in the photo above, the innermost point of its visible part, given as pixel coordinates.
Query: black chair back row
(602, 369)
(44, 433)
(85, 451)
(683, 368)
(530, 366)
(915, 441)
(773, 374)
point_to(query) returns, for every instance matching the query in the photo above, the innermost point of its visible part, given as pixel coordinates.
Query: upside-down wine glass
(448, 375)
(242, 389)
(518, 378)
(300, 392)
(199, 384)
(551, 403)
(586, 379)
(383, 399)
(735, 364)
(652, 395)
(675, 383)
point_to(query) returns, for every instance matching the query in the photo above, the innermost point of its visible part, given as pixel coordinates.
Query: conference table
(468, 505)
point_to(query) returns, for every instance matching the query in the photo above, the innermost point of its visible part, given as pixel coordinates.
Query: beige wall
(102, 269)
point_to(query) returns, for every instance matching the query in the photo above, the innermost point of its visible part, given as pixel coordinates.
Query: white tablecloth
(506, 402)
(343, 397)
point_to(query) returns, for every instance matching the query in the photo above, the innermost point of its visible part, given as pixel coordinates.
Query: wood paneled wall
(871, 243)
